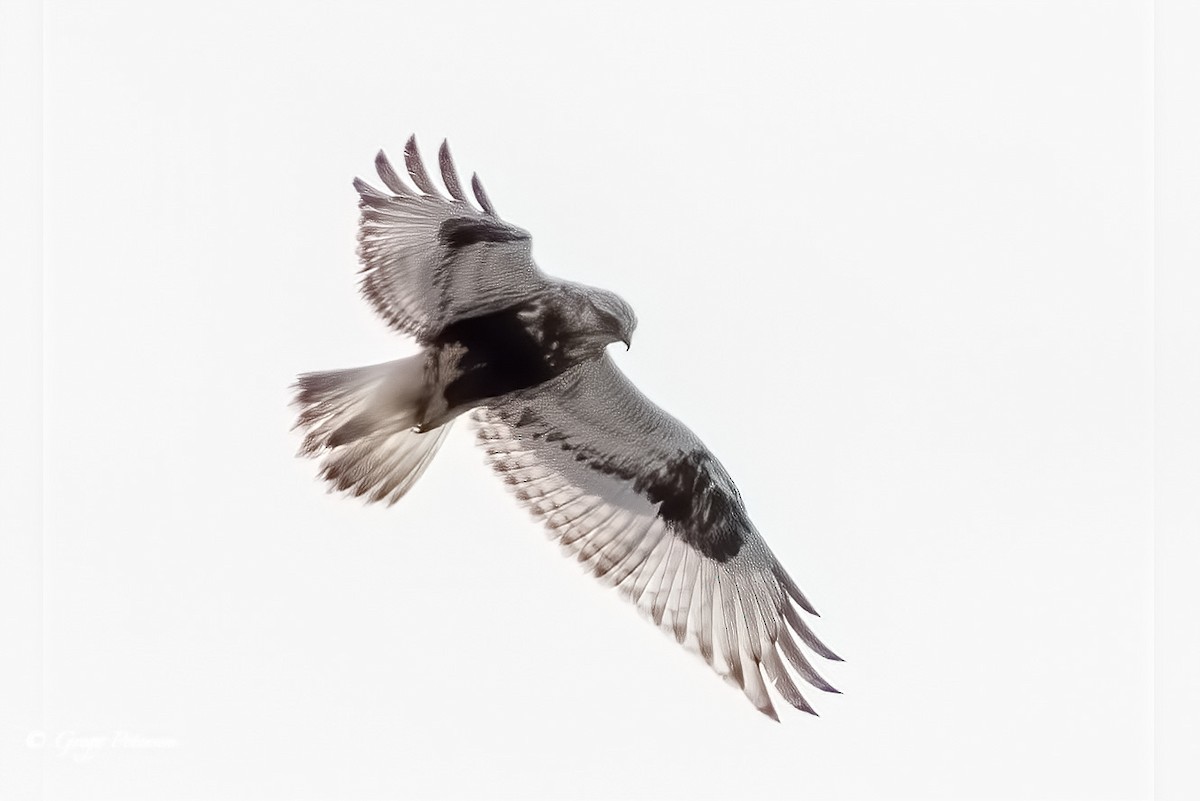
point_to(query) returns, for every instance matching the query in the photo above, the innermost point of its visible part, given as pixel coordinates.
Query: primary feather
(626, 489)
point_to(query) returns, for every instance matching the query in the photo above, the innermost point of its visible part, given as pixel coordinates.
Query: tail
(362, 421)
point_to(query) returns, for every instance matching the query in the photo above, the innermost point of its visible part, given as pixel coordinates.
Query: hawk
(624, 487)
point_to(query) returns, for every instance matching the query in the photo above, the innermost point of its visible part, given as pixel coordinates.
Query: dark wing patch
(691, 502)
(695, 495)
(708, 517)
(461, 232)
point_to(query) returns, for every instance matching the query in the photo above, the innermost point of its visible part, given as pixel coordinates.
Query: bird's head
(608, 317)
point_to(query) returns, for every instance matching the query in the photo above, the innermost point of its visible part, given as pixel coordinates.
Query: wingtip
(382, 162)
(389, 176)
(481, 195)
(411, 150)
(450, 172)
(366, 191)
(803, 705)
(416, 168)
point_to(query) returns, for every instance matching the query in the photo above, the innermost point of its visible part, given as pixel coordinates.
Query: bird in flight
(624, 487)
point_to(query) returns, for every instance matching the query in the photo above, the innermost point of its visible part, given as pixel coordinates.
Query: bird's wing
(637, 498)
(428, 259)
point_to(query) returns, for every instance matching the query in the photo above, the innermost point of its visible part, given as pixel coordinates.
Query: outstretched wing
(428, 259)
(637, 498)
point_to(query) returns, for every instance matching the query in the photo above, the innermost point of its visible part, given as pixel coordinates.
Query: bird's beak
(626, 341)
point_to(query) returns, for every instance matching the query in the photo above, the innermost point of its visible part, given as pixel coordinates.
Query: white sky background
(891, 261)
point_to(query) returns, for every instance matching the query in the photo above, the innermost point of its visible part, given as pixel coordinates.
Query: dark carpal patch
(708, 517)
(691, 501)
(459, 232)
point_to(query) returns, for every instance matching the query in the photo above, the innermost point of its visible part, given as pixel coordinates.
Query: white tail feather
(362, 420)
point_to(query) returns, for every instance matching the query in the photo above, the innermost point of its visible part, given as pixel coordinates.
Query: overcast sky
(891, 261)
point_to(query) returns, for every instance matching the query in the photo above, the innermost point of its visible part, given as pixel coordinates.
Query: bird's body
(625, 488)
(479, 358)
